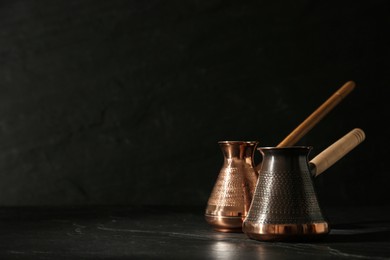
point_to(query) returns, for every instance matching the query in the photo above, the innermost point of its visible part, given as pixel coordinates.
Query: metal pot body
(285, 205)
(232, 193)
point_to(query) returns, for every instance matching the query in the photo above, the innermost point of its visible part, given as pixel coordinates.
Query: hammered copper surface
(232, 193)
(285, 203)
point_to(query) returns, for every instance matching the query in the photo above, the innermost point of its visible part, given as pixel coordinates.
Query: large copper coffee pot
(285, 204)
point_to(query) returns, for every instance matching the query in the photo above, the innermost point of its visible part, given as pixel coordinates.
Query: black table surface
(167, 232)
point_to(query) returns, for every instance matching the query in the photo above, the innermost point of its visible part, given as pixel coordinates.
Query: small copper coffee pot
(232, 194)
(285, 204)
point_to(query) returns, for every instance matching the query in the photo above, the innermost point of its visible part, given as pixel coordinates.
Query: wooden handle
(317, 115)
(336, 151)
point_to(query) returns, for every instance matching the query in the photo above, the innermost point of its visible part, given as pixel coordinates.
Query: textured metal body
(232, 193)
(285, 204)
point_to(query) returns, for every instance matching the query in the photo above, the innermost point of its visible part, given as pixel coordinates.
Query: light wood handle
(317, 115)
(336, 151)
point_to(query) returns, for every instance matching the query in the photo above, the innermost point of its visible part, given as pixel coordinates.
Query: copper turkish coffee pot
(285, 205)
(233, 191)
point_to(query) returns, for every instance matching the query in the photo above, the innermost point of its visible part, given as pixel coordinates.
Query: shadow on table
(360, 232)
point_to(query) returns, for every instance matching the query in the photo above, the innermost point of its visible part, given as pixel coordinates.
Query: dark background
(123, 102)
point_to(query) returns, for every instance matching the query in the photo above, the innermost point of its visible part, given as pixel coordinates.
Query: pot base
(286, 232)
(225, 224)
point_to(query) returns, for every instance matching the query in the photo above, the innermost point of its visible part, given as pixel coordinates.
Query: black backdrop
(123, 102)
